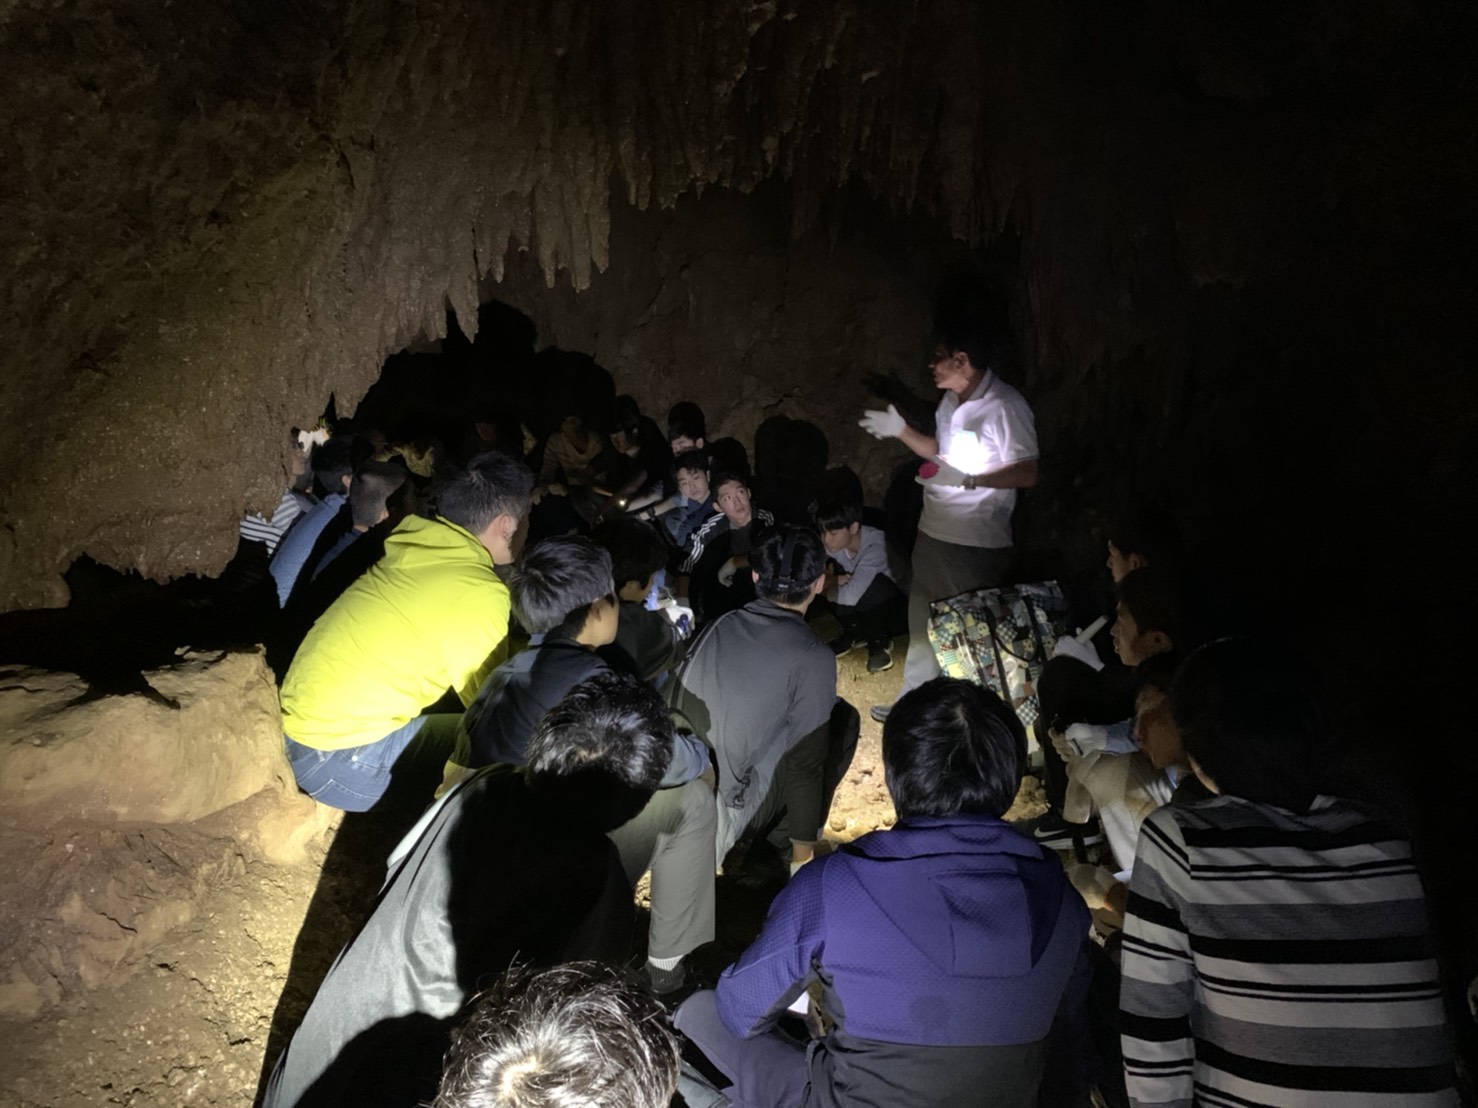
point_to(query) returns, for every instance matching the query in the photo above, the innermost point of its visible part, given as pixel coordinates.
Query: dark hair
(1158, 671)
(582, 1033)
(951, 746)
(1247, 713)
(1151, 594)
(685, 421)
(492, 485)
(600, 753)
(692, 460)
(835, 514)
(332, 461)
(555, 583)
(1149, 532)
(719, 477)
(965, 334)
(787, 560)
(370, 490)
(626, 415)
(636, 550)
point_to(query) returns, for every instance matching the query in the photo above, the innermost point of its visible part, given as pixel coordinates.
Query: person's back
(1276, 946)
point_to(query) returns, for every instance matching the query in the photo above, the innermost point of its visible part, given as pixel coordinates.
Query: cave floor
(190, 1022)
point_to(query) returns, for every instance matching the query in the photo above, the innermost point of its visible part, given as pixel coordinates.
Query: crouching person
(515, 863)
(943, 947)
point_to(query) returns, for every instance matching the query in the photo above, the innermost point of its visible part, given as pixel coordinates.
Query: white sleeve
(1013, 431)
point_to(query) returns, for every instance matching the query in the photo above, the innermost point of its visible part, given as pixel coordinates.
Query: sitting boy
(713, 575)
(943, 947)
(761, 688)
(1077, 687)
(563, 592)
(1277, 948)
(515, 863)
(870, 606)
(647, 645)
(1105, 773)
(689, 507)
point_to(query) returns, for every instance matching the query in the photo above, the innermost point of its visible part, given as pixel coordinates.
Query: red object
(927, 470)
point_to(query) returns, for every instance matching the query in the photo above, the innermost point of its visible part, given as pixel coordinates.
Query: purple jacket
(938, 935)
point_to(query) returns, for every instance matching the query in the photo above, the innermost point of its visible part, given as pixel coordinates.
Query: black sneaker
(879, 657)
(667, 981)
(843, 644)
(880, 712)
(1056, 833)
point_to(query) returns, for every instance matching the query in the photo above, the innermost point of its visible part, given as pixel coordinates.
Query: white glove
(1069, 647)
(1086, 737)
(947, 476)
(1092, 882)
(882, 425)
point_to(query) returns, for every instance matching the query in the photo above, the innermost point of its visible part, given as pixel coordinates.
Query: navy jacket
(944, 948)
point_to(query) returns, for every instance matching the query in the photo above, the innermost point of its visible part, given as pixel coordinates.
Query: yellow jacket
(430, 615)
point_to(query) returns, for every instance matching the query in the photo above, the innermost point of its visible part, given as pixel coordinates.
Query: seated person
(870, 606)
(473, 892)
(429, 616)
(1159, 774)
(267, 531)
(761, 689)
(687, 429)
(712, 575)
(568, 469)
(1077, 687)
(647, 645)
(943, 948)
(638, 465)
(370, 491)
(690, 507)
(563, 591)
(1277, 946)
(1105, 773)
(332, 470)
(578, 1034)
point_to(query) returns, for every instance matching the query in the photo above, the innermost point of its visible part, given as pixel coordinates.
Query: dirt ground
(189, 1021)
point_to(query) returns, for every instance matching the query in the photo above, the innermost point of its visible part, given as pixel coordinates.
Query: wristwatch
(969, 481)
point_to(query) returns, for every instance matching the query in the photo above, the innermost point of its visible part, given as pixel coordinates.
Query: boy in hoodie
(952, 938)
(430, 616)
(564, 595)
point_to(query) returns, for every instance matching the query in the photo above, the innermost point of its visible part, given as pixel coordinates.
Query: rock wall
(213, 215)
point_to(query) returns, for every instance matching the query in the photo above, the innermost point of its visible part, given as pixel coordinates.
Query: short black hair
(1157, 671)
(332, 461)
(690, 460)
(835, 514)
(1150, 532)
(1248, 715)
(491, 485)
(636, 550)
(373, 485)
(581, 1033)
(952, 746)
(685, 421)
(719, 477)
(1151, 595)
(626, 415)
(556, 581)
(964, 333)
(602, 751)
(787, 560)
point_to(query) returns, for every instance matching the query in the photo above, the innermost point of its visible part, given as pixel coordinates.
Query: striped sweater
(1279, 959)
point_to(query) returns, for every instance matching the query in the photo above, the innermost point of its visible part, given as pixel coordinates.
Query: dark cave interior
(1226, 248)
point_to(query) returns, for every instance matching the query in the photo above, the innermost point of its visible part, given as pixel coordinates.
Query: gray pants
(673, 837)
(942, 570)
(768, 1070)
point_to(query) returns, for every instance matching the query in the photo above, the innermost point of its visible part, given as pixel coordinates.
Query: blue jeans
(401, 770)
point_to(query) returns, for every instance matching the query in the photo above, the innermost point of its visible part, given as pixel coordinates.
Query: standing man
(985, 447)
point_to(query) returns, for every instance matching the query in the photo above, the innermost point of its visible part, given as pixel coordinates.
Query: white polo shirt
(990, 429)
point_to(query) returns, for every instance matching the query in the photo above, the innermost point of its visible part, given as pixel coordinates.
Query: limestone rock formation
(214, 215)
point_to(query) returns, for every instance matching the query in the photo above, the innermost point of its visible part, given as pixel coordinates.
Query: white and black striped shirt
(1279, 959)
(712, 529)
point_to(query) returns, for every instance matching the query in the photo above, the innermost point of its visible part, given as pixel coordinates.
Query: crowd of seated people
(597, 659)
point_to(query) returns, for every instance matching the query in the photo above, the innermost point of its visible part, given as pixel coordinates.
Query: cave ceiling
(214, 215)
